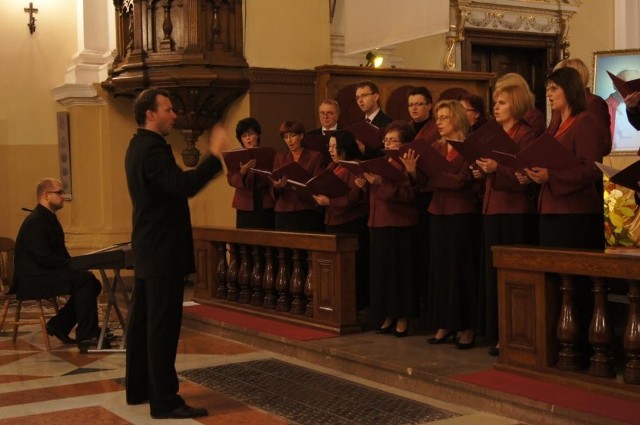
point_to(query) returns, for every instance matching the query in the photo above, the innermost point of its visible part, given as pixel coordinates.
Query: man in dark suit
(42, 270)
(368, 99)
(318, 139)
(328, 113)
(162, 245)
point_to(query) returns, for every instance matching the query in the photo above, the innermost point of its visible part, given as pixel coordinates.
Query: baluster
(282, 282)
(232, 273)
(600, 332)
(257, 296)
(269, 280)
(568, 329)
(631, 342)
(308, 287)
(221, 270)
(167, 42)
(244, 275)
(297, 284)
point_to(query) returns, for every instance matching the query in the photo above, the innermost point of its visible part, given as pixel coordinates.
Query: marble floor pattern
(66, 387)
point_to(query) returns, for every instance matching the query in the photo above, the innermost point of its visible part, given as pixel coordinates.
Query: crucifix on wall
(32, 19)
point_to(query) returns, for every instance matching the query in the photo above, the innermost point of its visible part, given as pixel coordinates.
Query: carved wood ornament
(192, 48)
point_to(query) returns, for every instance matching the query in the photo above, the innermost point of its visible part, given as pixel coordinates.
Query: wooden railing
(555, 316)
(301, 278)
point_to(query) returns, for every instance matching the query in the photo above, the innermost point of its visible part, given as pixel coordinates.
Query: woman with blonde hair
(454, 235)
(533, 117)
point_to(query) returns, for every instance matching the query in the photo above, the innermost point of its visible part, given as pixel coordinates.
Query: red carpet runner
(260, 324)
(560, 395)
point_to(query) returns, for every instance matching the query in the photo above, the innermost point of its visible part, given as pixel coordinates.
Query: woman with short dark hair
(252, 198)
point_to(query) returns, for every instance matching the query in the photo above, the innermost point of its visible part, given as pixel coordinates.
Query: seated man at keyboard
(42, 270)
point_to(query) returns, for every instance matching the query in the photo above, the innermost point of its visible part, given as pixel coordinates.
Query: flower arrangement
(621, 218)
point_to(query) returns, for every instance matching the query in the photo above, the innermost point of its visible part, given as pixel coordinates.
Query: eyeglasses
(248, 134)
(363, 95)
(443, 118)
(390, 140)
(57, 192)
(286, 136)
(411, 105)
(324, 114)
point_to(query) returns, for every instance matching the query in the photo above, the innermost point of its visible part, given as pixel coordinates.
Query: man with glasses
(420, 102)
(368, 100)
(318, 139)
(328, 113)
(42, 270)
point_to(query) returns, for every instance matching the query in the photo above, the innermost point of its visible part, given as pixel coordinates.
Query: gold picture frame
(624, 63)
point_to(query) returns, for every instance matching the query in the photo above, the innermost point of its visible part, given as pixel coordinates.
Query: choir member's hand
(321, 200)
(361, 146)
(410, 159)
(279, 184)
(218, 140)
(522, 178)
(244, 168)
(538, 174)
(477, 172)
(487, 165)
(632, 100)
(360, 182)
(373, 178)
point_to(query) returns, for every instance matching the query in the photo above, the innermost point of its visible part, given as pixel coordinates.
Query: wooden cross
(32, 19)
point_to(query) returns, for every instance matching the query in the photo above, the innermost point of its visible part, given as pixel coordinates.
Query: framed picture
(626, 65)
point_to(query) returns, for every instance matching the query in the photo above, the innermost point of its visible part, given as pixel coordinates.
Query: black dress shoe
(66, 339)
(442, 340)
(86, 344)
(466, 345)
(493, 351)
(136, 401)
(401, 334)
(182, 412)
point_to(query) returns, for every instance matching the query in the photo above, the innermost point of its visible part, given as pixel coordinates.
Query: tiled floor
(66, 387)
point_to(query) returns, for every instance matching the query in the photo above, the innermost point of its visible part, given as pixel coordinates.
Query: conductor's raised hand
(218, 140)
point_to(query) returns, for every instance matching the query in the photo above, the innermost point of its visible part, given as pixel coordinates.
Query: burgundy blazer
(245, 185)
(350, 207)
(503, 194)
(454, 191)
(287, 199)
(393, 204)
(599, 110)
(573, 190)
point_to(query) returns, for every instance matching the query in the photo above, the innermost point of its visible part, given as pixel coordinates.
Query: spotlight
(374, 60)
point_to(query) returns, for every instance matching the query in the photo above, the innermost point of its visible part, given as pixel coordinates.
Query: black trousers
(82, 306)
(152, 343)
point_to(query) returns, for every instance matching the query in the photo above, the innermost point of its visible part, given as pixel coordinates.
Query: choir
(426, 225)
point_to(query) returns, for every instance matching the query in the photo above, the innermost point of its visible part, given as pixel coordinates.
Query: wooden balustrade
(301, 278)
(550, 323)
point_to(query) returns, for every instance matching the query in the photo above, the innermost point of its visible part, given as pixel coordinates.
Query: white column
(96, 46)
(627, 16)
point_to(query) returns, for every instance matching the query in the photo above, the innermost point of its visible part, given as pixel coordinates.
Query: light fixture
(374, 60)
(32, 20)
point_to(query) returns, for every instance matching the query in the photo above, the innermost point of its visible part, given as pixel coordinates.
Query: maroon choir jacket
(503, 194)
(454, 191)
(287, 199)
(393, 204)
(350, 207)
(573, 190)
(245, 185)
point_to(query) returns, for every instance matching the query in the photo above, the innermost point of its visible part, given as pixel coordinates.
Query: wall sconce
(32, 20)
(374, 60)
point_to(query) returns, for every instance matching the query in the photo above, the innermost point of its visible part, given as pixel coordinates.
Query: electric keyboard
(118, 256)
